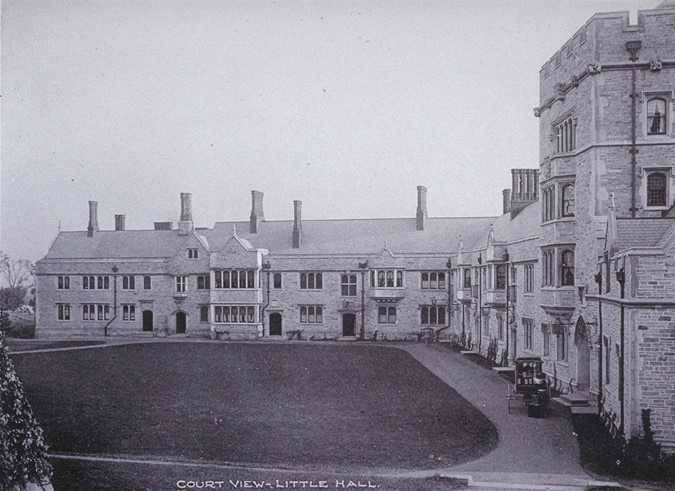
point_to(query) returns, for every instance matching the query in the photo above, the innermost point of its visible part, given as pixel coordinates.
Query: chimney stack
(93, 218)
(185, 226)
(524, 189)
(297, 224)
(119, 223)
(421, 214)
(506, 201)
(257, 214)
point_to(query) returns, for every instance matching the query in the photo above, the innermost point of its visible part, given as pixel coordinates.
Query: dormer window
(193, 253)
(657, 113)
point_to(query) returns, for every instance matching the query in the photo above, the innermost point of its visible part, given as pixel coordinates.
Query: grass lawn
(271, 404)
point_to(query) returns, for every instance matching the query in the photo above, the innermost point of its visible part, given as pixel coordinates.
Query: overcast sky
(344, 105)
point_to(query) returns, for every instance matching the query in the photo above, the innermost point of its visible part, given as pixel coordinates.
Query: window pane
(310, 314)
(352, 290)
(277, 280)
(250, 314)
(251, 279)
(382, 315)
(319, 313)
(303, 314)
(656, 189)
(425, 280)
(399, 279)
(234, 279)
(319, 280)
(656, 116)
(432, 316)
(310, 280)
(441, 315)
(392, 315)
(226, 279)
(425, 314)
(380, 279)
(390, 279)
(441, 280)
(345, 290)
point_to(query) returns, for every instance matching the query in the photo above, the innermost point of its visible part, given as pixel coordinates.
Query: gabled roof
(117, 244)
(323, 237)
(641, 232)
(359, 236)
(526, 224)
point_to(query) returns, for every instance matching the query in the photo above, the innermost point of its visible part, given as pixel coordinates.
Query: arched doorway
(181, 322)
(275, 324)
(348, 325)
(147, 321)
(581, 337)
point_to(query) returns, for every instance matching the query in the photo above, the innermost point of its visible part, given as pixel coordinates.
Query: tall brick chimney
(119, 222)
(93, 218)
(421, 214)
(524, 189)
(257, 214)
(185, 225)
(506, 201)
(297, 224)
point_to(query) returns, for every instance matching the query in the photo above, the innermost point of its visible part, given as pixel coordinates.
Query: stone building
(583, 277)
(579, 268)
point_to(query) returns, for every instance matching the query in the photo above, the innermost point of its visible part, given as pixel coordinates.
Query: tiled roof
(641, 232)
(117, 244)
(356, 236)
(525, 224)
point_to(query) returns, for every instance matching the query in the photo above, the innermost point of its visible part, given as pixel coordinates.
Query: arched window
(568, 200)
(656, 116)
(567, 268)
(656, 189)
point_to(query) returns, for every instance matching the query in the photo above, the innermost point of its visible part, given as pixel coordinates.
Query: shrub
(23, 331)
(23, 451)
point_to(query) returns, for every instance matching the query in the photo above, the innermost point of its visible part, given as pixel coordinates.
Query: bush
(639, 458)
(23, 331)
(23, 451)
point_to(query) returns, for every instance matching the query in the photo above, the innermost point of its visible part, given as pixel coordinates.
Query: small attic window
(193, 253)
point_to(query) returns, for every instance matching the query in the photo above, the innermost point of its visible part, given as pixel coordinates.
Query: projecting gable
(236, 253)
(184, 261)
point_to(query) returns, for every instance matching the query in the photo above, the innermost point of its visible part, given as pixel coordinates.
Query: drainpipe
(506, 326)
(633, 47)
(480, 302)
(621, 279)
(266, 266)
(598, 280)
(363, 266)
(105, 329)
(449, 283)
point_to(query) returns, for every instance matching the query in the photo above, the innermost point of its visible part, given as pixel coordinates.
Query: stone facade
(539, 280)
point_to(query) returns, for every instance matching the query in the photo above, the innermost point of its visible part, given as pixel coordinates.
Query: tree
(11, 298)
(23, 450)
(16, 272)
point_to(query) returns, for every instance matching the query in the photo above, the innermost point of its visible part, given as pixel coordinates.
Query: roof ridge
(365, 219)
